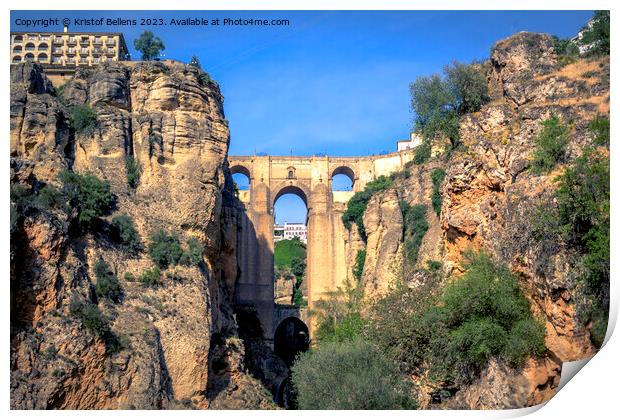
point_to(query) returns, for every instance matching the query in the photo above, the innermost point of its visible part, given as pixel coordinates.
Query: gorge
(193, 322)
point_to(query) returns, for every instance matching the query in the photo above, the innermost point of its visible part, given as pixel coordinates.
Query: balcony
(111, 51)
(57, 51)
(70, 51)
(84, 51)
(71, 41)
(58, 41)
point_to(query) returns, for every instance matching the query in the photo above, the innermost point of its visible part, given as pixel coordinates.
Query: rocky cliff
(489, 197)
(175, 345)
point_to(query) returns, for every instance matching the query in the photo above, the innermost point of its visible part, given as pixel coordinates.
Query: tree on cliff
(149, 45)
(595, 35)
(439, 102)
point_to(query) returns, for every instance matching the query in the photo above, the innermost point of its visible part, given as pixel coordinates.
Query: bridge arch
(240, 169)
(298, 190)
(291, 338)
(342, 178)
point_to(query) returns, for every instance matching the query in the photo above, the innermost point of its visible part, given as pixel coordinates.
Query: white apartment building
(290, 231)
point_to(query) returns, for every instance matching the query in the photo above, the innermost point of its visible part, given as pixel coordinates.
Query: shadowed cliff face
(172, 125)
(489, 200)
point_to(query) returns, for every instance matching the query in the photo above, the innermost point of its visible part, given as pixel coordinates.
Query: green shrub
(49, 197)
(286, 250)
(90, 195)
(124, 231)
(551, 143)
(566, 50)
(107, 287)
(83, 119)
(437, 176)
(356, 206)
(193, 254)
(298, 267)
(204, 78)
(129, 277)
(415, 226)
(151, 277)
(133, 170)
(599, 127)
(455, 331)
(298, 299)
(91, 317)
(434, 266)
(358, 267)
(352, 375)
(165, 250)
(596, 36)
(422, 153)
(486, 315)
(583, 200)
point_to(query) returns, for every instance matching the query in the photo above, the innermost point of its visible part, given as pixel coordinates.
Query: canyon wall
(489, 200)
(179, 340)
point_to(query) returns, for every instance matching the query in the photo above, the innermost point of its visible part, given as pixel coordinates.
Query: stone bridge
(310, 178)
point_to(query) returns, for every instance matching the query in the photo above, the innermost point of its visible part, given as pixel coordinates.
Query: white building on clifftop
(414, 140)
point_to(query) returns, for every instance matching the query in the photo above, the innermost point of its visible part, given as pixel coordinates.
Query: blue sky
(332, 82)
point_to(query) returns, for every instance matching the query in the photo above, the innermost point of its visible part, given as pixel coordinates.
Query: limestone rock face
(163, 118)
(384, 240)
(39, 131)
(501, 387)
(489, 200)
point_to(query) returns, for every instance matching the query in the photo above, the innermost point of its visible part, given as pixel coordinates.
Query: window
(291, 172)
(17, 49)
(17, 59)
(29, 57)
(42, 57)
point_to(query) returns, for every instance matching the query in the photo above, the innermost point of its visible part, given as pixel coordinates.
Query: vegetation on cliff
(351, 375)
(452, 331)
(415, 226)
(439, 102)
(578, 215)
(149, 45)
(166, 250)
(550, 145)
(437, 176)
(356, 206)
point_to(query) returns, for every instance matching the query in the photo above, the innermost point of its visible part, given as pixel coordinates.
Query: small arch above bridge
(240, 169)
(344, 170)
